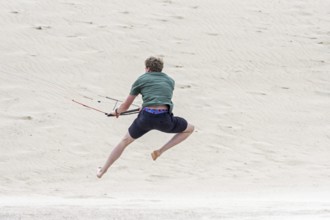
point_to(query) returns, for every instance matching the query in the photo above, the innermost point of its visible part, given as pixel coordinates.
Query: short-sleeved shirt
(156, 88)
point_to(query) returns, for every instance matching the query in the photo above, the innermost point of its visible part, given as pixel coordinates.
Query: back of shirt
(156, 88)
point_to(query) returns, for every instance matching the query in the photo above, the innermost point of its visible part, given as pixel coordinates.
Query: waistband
(155, 111)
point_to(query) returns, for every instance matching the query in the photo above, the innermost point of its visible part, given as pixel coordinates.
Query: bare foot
(99, 172)
(155, 154)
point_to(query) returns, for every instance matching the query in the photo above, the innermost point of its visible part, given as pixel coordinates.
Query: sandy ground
(252, 76)
(229, 206)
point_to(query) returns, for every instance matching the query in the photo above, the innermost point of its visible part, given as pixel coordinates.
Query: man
(156, 89)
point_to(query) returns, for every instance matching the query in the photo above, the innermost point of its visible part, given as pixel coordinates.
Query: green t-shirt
(156, 88)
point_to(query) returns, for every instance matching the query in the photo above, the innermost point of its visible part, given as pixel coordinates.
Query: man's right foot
(155, 154)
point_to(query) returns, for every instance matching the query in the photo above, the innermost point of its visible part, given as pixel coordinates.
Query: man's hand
(113, 113)
(116, 113)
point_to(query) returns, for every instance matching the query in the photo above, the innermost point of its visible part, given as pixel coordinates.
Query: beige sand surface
(252, 76)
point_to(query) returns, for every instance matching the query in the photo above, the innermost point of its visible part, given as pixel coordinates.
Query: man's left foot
(99, 172)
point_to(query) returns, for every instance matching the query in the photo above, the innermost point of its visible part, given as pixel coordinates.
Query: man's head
(154, 64)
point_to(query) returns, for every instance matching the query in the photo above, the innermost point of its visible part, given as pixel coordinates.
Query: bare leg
(176, 139)
(115, 154)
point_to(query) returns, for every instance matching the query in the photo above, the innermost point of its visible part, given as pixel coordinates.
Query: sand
(252, 76)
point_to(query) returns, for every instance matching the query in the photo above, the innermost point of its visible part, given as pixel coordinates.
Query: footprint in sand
(42, 27)
(185, 86)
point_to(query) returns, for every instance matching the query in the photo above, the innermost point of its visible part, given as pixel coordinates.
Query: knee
(190, 128)
(127, 139)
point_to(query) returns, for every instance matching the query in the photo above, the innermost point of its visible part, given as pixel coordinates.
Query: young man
(156, 89)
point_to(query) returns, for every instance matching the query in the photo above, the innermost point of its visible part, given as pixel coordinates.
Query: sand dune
(252, 76)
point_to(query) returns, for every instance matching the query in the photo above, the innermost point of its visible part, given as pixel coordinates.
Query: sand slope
(252, 76)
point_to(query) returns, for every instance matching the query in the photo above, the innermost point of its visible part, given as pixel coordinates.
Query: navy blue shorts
(164, 122)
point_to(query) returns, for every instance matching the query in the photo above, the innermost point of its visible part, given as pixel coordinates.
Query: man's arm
(124, 106)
